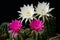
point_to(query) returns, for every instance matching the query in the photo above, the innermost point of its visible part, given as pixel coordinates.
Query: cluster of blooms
(28, 12)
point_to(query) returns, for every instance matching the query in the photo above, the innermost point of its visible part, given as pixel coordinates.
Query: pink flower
(36, 25)
(14, 27)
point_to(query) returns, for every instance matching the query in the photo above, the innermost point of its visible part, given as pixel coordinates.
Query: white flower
(27, 12)
(43, 9)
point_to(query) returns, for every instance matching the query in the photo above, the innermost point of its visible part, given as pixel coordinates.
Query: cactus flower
(36, 25)
(14, 27)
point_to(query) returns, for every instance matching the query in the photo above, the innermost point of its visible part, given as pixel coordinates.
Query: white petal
(47, 15)
(48, 4)
(46, 18)
(21, 8)
(26, 20)
(50, 9)
(39, 4)
(44, 4)
(36, 15)
(28, 5)
(40, 16)
(31, 18)
(32, 5)
(23, 19)
(24, 5)
(19, 11)
(50, 15)
(34, 18)
(19, 17)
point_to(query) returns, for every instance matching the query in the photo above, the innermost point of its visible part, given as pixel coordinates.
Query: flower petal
(19, 11)
(15, 35)
(50, 9)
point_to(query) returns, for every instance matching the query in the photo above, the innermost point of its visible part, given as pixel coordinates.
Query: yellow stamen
(28, 14)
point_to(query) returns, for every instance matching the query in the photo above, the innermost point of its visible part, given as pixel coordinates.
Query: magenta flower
(14, 27)
(36, 25)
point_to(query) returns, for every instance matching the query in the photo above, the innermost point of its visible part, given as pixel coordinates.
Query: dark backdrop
(9, 8)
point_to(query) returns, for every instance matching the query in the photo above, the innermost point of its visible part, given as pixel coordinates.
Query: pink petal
(10, 31)
(15, 34)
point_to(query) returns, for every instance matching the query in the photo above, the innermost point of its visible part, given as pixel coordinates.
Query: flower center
(43, 11)
(36, 25)
(28, 14)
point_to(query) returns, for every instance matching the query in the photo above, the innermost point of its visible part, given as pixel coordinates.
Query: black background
(9, 8)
